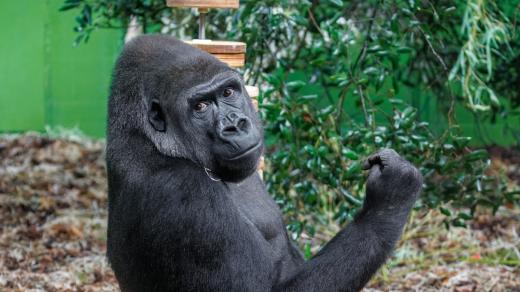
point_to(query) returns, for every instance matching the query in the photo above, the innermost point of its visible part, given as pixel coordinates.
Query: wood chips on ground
(53, 230)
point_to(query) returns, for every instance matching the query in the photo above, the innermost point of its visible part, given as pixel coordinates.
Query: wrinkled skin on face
(224, 132)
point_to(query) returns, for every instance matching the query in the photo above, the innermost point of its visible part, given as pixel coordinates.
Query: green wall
(504, 131)
(44, 80)
(22, 78)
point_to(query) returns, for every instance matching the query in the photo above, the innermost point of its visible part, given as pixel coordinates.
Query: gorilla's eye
(228, 92)
(201, 106)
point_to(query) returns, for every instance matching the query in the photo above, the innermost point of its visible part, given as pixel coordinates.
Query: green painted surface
(483, 132)
(78, 78)
(22, 75)
(44, 80)
(505, 131)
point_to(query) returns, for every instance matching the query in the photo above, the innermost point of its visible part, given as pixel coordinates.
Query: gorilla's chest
(257, 208)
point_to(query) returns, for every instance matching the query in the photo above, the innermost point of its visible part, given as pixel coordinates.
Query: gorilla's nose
(239, 137)
(234, 124)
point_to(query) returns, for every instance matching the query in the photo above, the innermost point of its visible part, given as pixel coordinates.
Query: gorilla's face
(215, 121)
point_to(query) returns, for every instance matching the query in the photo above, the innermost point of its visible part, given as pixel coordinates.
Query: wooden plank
(230, 56)
(219, 47)
(252, 91)
(233, 60)
(234, 63)
(261, 167)
(203, 3)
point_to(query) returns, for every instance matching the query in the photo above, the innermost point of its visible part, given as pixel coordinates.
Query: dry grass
(483, 257)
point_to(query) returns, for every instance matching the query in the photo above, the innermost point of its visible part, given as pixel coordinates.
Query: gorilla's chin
(240, 166)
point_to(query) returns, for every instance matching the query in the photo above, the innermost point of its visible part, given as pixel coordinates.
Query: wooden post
(231, 53)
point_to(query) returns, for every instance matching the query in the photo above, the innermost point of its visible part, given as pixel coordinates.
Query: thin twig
(433, 49)
(361, 56)
(368, 119)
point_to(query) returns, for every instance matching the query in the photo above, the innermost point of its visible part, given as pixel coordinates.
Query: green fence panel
(504, 131)
(22, 77)
(44, 79)
(78, 78)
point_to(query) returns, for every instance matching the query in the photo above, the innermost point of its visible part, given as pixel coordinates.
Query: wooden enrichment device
(229, 52)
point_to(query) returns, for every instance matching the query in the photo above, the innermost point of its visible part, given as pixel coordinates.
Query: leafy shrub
(334, 76)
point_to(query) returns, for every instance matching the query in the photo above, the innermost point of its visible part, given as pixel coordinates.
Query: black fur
(188, 212)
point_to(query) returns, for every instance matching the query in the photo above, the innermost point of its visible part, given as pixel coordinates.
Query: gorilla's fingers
(374, 159)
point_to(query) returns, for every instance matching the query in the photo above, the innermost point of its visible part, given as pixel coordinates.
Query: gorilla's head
(190, 105)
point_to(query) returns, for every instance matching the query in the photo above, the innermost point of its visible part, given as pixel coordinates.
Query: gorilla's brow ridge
(217, 83)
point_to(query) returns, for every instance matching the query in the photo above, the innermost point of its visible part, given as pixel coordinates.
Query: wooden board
(219, 47)
(261, 167)
(203, 3)
(255, 103)
(231, 53)
(252, 91)
(233, 60)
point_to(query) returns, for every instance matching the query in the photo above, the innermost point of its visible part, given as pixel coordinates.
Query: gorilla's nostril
(242, 124)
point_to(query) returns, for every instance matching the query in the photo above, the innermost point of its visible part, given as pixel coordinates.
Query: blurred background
(439, 81)
(48, 79)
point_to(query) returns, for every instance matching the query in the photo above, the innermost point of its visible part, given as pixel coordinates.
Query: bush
(334, 75)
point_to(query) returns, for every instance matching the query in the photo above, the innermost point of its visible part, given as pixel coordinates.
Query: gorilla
(187, 209)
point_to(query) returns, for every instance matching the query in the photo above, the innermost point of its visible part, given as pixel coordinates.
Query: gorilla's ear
(156, 116)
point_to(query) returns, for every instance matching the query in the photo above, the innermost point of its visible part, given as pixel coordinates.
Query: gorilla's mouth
(245, 152)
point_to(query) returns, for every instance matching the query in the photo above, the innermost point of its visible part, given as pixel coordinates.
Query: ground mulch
(53, 214)
(507, 159)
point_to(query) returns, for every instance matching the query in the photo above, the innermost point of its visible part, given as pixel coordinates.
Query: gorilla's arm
(348, 261)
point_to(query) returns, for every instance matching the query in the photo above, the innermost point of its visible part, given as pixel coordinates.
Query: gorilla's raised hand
(392, 183)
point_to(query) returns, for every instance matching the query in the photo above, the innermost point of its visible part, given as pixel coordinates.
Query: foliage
(483, 32)
(322, 63)
(318, 166)
(102, 14)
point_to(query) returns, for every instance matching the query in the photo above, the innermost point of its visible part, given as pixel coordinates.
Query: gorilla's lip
(246, 152)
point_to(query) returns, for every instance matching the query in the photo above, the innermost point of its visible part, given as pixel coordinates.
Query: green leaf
(477, 155)
(445, 211)
(350, 198)
(70, 4)
(354, 168)
(307, 251)
(350, 154)
(458, 223)
(295, 85)
(338, 3)
(465, 216)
